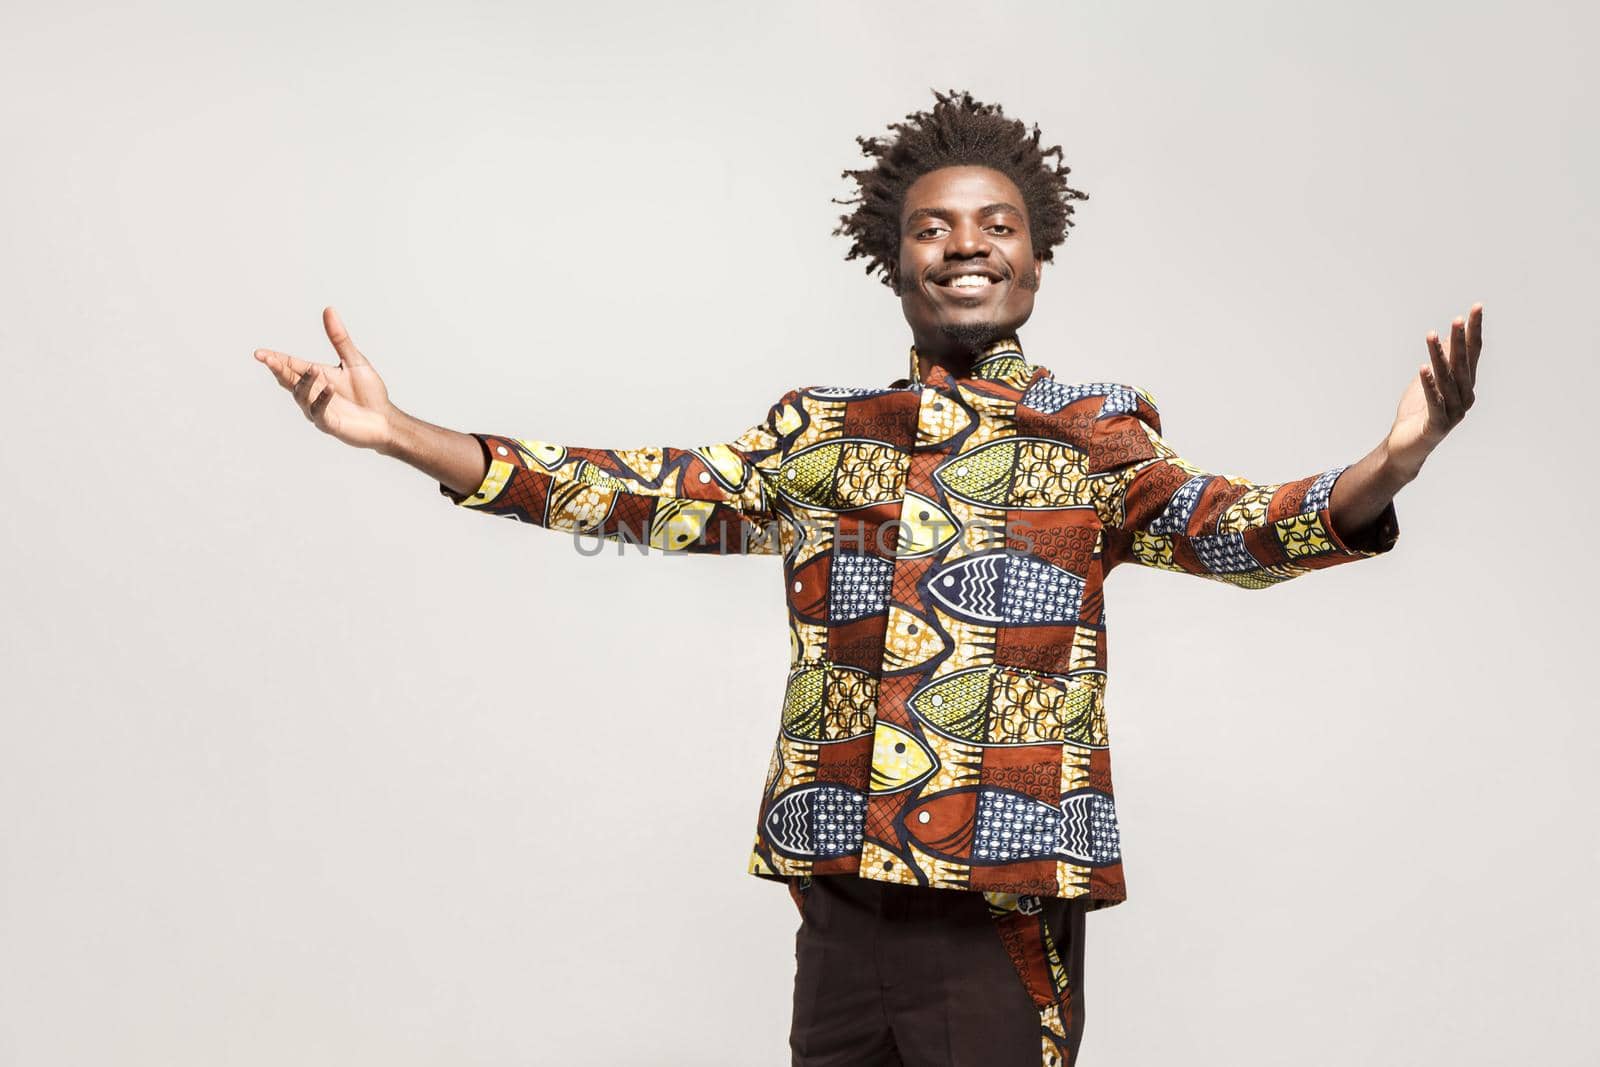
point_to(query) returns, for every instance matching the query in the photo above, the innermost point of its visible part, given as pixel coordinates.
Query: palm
(1439, 394)
(347, 400)
(1412, 419)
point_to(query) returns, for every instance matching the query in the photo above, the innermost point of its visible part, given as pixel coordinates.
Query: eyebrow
(945, 213)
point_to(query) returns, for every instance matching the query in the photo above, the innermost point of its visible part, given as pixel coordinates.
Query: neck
(957, 351)
(957, 365)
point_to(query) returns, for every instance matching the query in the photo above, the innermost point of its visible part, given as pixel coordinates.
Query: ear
(893, 268)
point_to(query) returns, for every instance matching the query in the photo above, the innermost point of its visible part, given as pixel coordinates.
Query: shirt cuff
(1374, 539)
(482, 490)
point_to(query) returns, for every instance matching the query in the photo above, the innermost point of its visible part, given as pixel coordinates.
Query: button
(797, 586)
(501, 449)
(961, 469)
(888, 865)
(938, 405)
(923, 816)
(789, 473)
(911, 628)
(899, 746)
(705, 476)
(949, 579)
(936, 700)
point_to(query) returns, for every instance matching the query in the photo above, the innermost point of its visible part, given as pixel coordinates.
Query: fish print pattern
(945, 545)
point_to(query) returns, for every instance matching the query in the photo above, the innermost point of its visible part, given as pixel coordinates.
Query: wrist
(395, 439)
(1397, 467)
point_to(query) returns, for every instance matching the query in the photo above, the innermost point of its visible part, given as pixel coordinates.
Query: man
(939, 798)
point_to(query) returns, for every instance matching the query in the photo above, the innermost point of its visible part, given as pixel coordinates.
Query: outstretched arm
(712, 498)
(1434, 404)
(1160, 510)
(349, 401)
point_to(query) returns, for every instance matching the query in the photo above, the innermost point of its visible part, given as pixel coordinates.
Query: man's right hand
(347, 400)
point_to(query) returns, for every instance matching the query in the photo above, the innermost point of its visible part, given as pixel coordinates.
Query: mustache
(1027, 280)
(997, 271)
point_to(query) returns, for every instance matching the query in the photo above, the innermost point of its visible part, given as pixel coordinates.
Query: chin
(974, 335)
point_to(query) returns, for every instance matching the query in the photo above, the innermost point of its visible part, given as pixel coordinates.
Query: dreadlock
(957, 131)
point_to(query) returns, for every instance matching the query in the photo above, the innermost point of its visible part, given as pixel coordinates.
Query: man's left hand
(1438, 397)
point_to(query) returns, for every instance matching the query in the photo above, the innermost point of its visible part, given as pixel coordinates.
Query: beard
(973, 336)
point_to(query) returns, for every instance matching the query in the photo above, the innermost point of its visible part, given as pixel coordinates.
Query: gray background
(301, 765)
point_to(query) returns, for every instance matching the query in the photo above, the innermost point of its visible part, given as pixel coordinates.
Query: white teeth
(969, 281)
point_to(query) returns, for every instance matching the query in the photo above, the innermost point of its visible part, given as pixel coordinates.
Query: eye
(1002, 226)
(930, 229)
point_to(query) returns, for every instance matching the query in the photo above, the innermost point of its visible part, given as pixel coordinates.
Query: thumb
(349, 354)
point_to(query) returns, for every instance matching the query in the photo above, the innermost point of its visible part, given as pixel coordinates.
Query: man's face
(965, 224)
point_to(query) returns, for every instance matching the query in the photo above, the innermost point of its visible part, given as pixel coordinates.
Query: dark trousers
(890, 975)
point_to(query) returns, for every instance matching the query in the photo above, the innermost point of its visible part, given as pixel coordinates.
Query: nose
(967, 239)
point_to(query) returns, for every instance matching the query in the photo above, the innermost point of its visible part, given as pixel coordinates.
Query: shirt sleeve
(711, 499)
(1159, 510)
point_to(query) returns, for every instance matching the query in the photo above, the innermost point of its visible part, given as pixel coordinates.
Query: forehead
(960, 189)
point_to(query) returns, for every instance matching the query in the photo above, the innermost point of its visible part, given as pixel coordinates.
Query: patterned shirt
(945, 544)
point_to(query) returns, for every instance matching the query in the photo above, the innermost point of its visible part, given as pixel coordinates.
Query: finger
(274, 362)
(302, 389)
(293, 364)
(320, 404)
(1456, 383)
(1461, 365)
(1474, 342)
(1430, 391)
(349, 354)
(286, 368)
(1438, 370)
(320, 389)
(1468, 378)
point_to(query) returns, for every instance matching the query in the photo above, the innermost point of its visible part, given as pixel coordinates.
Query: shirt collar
(1001, 361)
